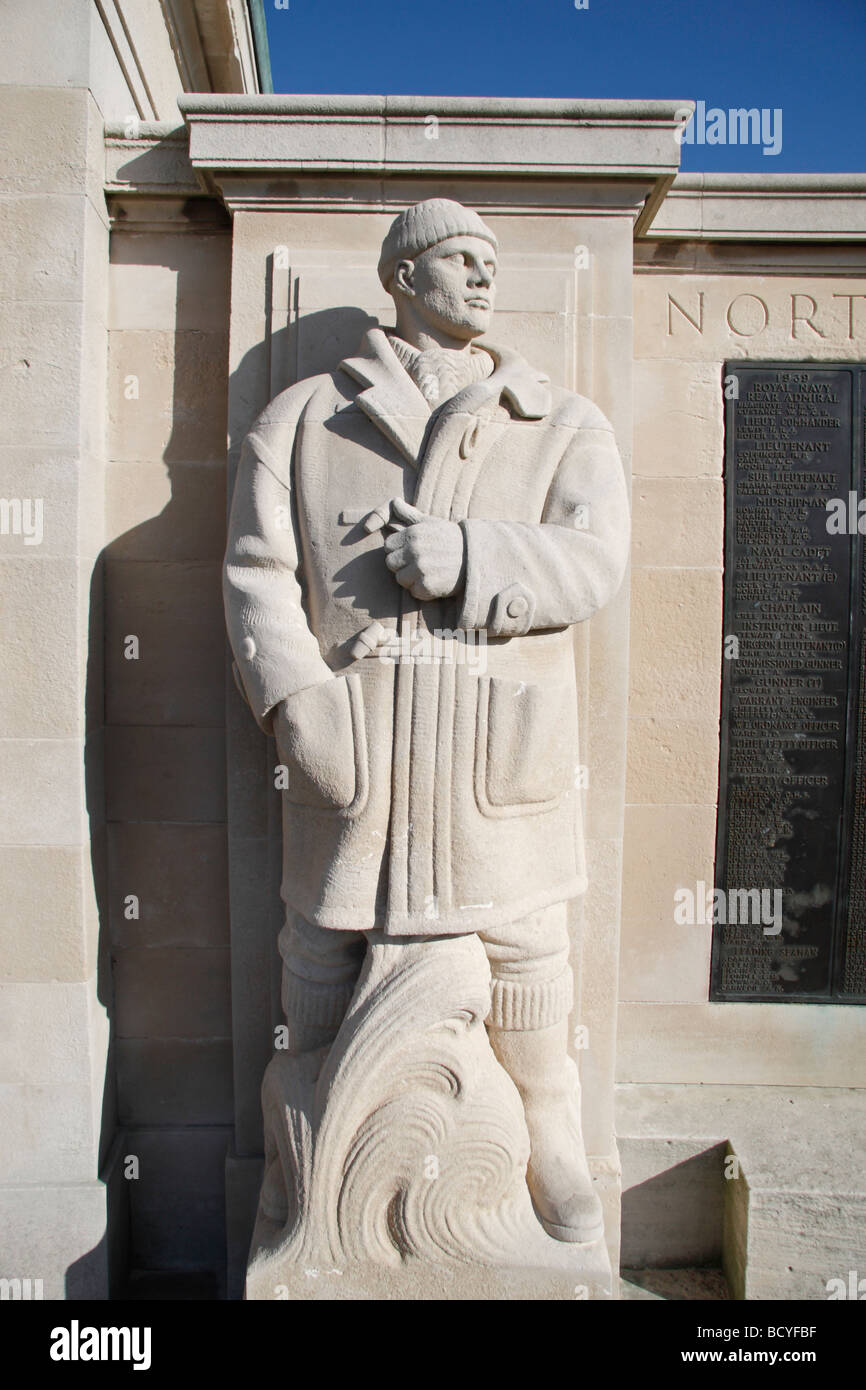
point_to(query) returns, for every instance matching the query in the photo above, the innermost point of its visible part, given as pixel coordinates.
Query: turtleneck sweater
(439, 373)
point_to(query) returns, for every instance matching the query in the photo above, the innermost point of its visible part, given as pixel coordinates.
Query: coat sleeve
(276, 653)
(523, 575)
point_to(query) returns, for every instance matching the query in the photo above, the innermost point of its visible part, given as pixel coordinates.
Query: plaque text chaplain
(792, 795)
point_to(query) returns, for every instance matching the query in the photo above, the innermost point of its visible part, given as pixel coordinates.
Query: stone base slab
(584, 1274)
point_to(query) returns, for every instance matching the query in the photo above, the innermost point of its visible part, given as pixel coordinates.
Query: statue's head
(438, 263)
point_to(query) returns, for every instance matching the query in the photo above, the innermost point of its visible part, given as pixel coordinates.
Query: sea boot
(558, 1175)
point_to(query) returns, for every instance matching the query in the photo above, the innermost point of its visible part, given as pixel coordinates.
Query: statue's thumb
(404, 514)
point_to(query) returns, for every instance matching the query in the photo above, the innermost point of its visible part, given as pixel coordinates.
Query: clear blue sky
(807, 57)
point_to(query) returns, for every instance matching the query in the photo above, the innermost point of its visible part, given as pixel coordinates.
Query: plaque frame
(848, 899)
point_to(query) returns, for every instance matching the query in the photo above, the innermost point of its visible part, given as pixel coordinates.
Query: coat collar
(526, 390)
(391, 398)
(394, 403)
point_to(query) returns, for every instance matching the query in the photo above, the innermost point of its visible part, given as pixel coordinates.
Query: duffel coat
(433, 794)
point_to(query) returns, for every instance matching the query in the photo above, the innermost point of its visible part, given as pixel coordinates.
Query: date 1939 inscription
(792, 780)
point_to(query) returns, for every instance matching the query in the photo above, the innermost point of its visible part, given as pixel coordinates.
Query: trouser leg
(320, 970)
(531, 998)
(531, 981)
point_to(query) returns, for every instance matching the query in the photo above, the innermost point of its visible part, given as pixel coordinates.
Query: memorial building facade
(183, 245)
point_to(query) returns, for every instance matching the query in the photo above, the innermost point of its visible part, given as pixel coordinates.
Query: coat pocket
(322, 742)
(525, 746)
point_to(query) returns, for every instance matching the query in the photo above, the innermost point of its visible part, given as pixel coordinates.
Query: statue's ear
(404, 277)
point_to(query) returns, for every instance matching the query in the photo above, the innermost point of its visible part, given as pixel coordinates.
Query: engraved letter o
(741, 333)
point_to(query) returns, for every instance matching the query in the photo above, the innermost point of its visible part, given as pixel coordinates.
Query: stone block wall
(56, 1092)
(697, 306)
(164, 662)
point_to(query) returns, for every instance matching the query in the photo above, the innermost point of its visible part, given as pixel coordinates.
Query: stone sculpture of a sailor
(432, 496)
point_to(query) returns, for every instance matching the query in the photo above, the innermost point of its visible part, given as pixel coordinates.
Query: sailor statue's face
(452, 285)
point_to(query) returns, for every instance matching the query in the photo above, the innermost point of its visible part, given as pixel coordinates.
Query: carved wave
(411, 1142)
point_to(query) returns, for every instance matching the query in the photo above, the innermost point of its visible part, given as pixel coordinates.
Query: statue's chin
(467, 329)
(453, 316)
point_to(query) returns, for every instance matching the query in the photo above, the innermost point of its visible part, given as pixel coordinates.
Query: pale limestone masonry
(125, 259)
(761, 300)
(64, 71)
(766, 1182)
(164, 713)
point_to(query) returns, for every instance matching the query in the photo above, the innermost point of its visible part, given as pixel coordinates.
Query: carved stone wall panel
(294, 272)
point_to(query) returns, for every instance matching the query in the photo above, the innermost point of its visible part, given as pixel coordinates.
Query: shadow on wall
(674, 1218)
(155, 685)
(157, 679)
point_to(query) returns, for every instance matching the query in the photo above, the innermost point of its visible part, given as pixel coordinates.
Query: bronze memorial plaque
(789, 906)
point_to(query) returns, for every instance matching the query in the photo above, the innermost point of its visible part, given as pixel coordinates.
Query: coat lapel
(453, 439)
(390, 398)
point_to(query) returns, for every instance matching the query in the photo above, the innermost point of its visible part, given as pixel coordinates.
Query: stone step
(766, 1181)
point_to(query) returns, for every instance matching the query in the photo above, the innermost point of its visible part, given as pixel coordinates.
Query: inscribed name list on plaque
(791, 846)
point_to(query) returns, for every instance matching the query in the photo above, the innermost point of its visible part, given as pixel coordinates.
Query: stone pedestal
(409, 1147)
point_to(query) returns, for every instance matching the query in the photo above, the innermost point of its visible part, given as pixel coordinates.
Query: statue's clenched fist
(426, 555)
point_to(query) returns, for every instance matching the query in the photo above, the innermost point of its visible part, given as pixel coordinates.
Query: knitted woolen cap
(423, 226)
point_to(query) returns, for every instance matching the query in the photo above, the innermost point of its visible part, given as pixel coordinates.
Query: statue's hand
(427, 555)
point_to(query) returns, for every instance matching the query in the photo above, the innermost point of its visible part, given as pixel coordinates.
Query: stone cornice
(515, 108)
(764, 207)
(361, 153)
(150, 161)
(290, 150)
(213, 44)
